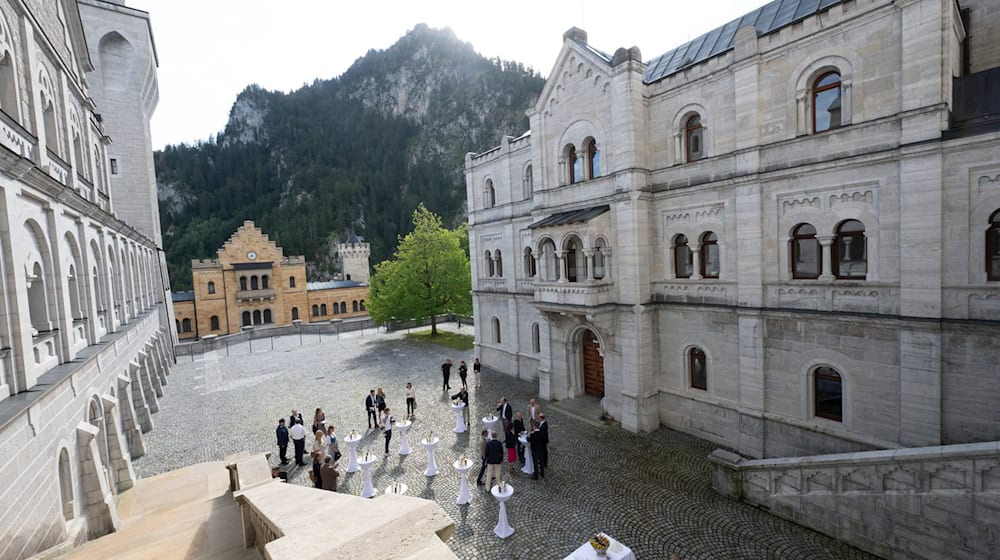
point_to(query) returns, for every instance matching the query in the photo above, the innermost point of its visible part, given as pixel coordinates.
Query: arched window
(215, 322)
(322, 309)
(576, 267)
(315, 311)
(536, 339)
(361, 305)
(186, 325)
(247, 320)
(295, 313)
(267, 315)
(806, 261)
(826, 102)
(496, 330)
(75, 309)
(66, 484)
(528, 181)
(343, 306)
(211, 287)
(573, 164)
(694, 138)
(499, 266)
(178, 321)
(263, 282)
(8, 87)
(993, 248)
(850, 259)
(593, 160)
(256, 317)
(38, 308)
(291, 281)
(529, 263)
(243, 283)
(683, 259)
(254, 283)
(336, 308)
(698, 369)
(354, 306)
(709, 255)
(490, 194)
(600, 258)
(828, 394)
(489, 263)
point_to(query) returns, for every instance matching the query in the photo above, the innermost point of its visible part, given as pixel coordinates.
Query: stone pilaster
(130, 426)
(751, 367)
(98, 500)
(154, 375)
(142, 411)
(146, 377)
(920, 386)
(161, 358)
(124, 475)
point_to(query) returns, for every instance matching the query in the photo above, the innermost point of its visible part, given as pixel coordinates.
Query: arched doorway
(593, 365)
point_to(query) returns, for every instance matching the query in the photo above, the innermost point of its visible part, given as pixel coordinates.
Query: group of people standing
(379, 413)
(325, 451)
(492, 449)
(463, 373)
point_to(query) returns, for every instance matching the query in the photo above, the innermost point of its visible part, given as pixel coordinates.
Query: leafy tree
(428, 276)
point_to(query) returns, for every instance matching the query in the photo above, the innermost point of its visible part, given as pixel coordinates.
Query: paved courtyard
(650, 491)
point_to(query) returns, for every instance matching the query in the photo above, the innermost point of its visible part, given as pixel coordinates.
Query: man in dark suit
(504, 410)
(537, 442)
(295, 417)
(543, 427)
(518, 428)
(371, 405)
(281, 432)
(446, 374)
(464, 395)
(494, 460)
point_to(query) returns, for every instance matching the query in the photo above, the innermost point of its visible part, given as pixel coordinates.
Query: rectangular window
(114, 166)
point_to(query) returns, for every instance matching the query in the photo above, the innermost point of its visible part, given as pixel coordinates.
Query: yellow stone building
(252, 282)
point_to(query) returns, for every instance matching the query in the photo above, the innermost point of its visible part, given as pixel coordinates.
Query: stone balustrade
(938, 502)
(586, 294)
(57, 168)
(493, 284)
(14, 137)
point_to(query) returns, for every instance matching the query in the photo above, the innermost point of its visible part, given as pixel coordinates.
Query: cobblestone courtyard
(650, 491)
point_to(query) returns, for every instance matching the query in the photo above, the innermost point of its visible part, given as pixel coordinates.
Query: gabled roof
(766, 19)
(182, 296)
(570, 217)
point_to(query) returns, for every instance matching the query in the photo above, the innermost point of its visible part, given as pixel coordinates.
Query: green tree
(429, 275)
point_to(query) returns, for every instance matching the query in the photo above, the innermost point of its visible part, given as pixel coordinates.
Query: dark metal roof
(570, 217)
(353, 238)
(182, 296)
(252, 265)
(333, 284)
(766, 19)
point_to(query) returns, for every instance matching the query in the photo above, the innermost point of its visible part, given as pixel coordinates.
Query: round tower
(354, 254)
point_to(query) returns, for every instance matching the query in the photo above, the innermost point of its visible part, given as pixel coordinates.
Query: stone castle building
(84, 340)
(782, 236)
(251, 282)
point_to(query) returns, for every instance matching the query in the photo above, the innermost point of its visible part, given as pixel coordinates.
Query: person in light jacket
(387, 421)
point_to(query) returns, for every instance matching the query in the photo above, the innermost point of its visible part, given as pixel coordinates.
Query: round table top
(367, 459)
(431, 442)
(505, 494)
(458, 465)
(458, 405)
(490, 419)
(401, 490)
(355, 439)
(404, 424)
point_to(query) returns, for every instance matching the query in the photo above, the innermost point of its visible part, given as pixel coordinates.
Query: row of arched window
(827, 386)
(320, 310)
(248, 283)
(572, 264)
(582, 166)
(493, 263)
(255, 317)
(536, 340)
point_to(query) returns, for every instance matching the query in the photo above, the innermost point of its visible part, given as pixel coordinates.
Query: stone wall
(66, 447)
(931, 502)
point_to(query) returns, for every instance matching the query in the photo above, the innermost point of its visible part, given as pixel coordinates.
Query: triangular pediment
(247, 245)
(578, 65)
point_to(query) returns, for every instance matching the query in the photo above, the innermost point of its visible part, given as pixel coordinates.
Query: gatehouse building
(782, 236)
(252, 283)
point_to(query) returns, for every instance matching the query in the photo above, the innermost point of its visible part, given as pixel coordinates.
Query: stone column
(124, 476)
(696, 262)
(98, 501)
(560, 263)
(606, 251)
(142, 411)
(130, 426)
(588, 256)
(826, 245)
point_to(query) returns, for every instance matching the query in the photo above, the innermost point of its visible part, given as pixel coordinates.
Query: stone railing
(583, 294)
(838, 295)
(44, 349)
(57, 168)
(267, 293)
(526, 285)
(695, 291)
(15, 138)
(493, 284)
(927, 502)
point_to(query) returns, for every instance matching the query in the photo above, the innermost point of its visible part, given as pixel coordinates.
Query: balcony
(577, 294)
(15, 138)
(57, 168)
(44, 350)
(493, 284)
(525, 285)
(255, 295)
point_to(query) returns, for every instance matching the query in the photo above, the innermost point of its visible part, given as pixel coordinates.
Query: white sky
(209, 50)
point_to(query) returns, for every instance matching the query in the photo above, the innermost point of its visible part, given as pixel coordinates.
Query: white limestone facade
(784, 246)
(84, 354)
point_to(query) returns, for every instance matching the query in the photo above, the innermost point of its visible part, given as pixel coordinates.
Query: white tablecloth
(617, 551)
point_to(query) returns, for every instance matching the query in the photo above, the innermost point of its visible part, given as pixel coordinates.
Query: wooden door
(593, 366)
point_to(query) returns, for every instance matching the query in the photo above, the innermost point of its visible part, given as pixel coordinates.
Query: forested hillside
(359, 151)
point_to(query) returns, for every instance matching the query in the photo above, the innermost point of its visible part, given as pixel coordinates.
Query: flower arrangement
(600, 543)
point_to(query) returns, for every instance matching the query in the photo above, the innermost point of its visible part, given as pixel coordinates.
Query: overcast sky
(209, 50)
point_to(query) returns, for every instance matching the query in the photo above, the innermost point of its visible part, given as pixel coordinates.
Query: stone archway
(593, 364)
